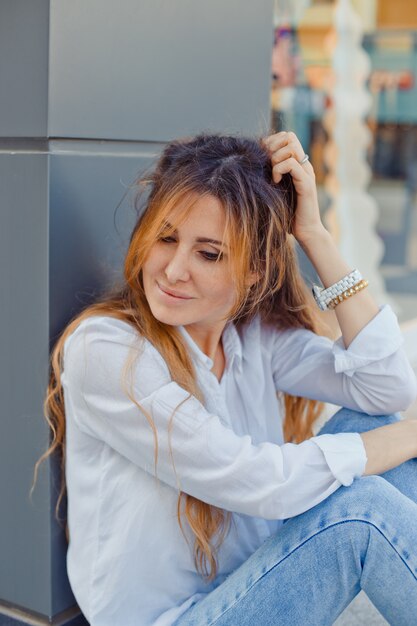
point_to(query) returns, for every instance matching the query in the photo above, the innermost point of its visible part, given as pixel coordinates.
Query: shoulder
(106, 342)
(102, 329)
(105, 326)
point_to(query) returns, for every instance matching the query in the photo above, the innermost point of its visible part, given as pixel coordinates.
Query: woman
(190, 499)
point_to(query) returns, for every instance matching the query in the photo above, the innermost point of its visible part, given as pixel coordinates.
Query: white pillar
(353, 213)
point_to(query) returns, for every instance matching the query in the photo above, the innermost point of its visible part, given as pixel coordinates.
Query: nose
(177, 267)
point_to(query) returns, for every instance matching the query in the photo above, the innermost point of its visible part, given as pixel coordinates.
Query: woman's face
(183, 264)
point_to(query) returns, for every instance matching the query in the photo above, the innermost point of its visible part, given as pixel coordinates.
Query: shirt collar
(232, 346)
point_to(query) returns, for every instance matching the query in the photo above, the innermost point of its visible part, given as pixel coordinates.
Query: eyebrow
(201, 239)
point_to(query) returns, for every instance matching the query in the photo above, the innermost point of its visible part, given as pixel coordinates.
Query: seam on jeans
(302, 544)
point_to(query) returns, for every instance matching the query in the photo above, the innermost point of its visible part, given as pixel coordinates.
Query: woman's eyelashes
(209, 256)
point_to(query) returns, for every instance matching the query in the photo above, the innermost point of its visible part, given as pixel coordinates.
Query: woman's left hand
(286, 153)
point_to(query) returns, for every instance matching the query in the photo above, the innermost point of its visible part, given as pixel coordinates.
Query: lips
(174, 294)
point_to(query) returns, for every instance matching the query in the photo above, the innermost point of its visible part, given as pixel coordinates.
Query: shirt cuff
(345, 455)
(378, 339)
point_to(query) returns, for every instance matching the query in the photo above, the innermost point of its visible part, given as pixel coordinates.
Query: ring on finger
(304, 159)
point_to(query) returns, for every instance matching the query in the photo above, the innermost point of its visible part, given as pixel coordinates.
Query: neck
(207, 339)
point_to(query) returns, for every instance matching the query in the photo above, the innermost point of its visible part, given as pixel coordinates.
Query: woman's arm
(389, 446)
(354, 313)
(373, 375)
(286, 153)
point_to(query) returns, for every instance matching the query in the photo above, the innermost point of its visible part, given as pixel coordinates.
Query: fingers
(289, 166)
(286, 153)
(279, 140)
(284, 145)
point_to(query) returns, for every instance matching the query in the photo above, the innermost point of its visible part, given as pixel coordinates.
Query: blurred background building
(377, 42)
(90, 91)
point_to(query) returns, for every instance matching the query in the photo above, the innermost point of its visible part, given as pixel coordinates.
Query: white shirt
(128, 562)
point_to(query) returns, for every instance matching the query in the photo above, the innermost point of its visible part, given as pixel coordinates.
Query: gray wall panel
(24, 29)
(176, 68)
(86, 246)
(25, 527)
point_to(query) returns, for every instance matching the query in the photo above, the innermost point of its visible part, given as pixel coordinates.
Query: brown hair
(259, 215)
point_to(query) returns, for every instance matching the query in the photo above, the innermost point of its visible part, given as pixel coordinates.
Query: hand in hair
(286, 153)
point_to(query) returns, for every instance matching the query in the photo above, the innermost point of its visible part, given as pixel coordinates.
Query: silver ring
(304, 159)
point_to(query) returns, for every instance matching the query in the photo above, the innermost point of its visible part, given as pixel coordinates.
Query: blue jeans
(361, 537)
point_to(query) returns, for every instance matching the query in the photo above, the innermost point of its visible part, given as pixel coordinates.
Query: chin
(170, 318)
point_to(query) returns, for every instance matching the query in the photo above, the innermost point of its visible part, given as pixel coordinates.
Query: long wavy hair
(259, 217)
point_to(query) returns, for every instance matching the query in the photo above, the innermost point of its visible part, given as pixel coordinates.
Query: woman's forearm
(355, 312)
(389, 446)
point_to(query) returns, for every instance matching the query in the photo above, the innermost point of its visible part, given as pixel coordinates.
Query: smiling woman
(205, 291)
(183, 405)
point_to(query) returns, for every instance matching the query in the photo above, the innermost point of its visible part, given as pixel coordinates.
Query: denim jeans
(361, 537)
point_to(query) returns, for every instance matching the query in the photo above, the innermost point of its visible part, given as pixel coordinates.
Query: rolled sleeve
(345, 455)
(372, 375)
(380, 338)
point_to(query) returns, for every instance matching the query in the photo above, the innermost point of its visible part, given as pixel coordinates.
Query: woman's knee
(351, 515)
(348, 420)
(370, 499)
(367, 495)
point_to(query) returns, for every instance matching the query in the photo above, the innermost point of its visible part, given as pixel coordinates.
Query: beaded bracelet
(347, 294)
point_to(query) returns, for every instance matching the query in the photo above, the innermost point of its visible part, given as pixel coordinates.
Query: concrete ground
(361, 612)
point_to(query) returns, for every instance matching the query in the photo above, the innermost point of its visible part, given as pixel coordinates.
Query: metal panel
(25, 526)
(157, 69)
(88, 238)
(24, 29)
